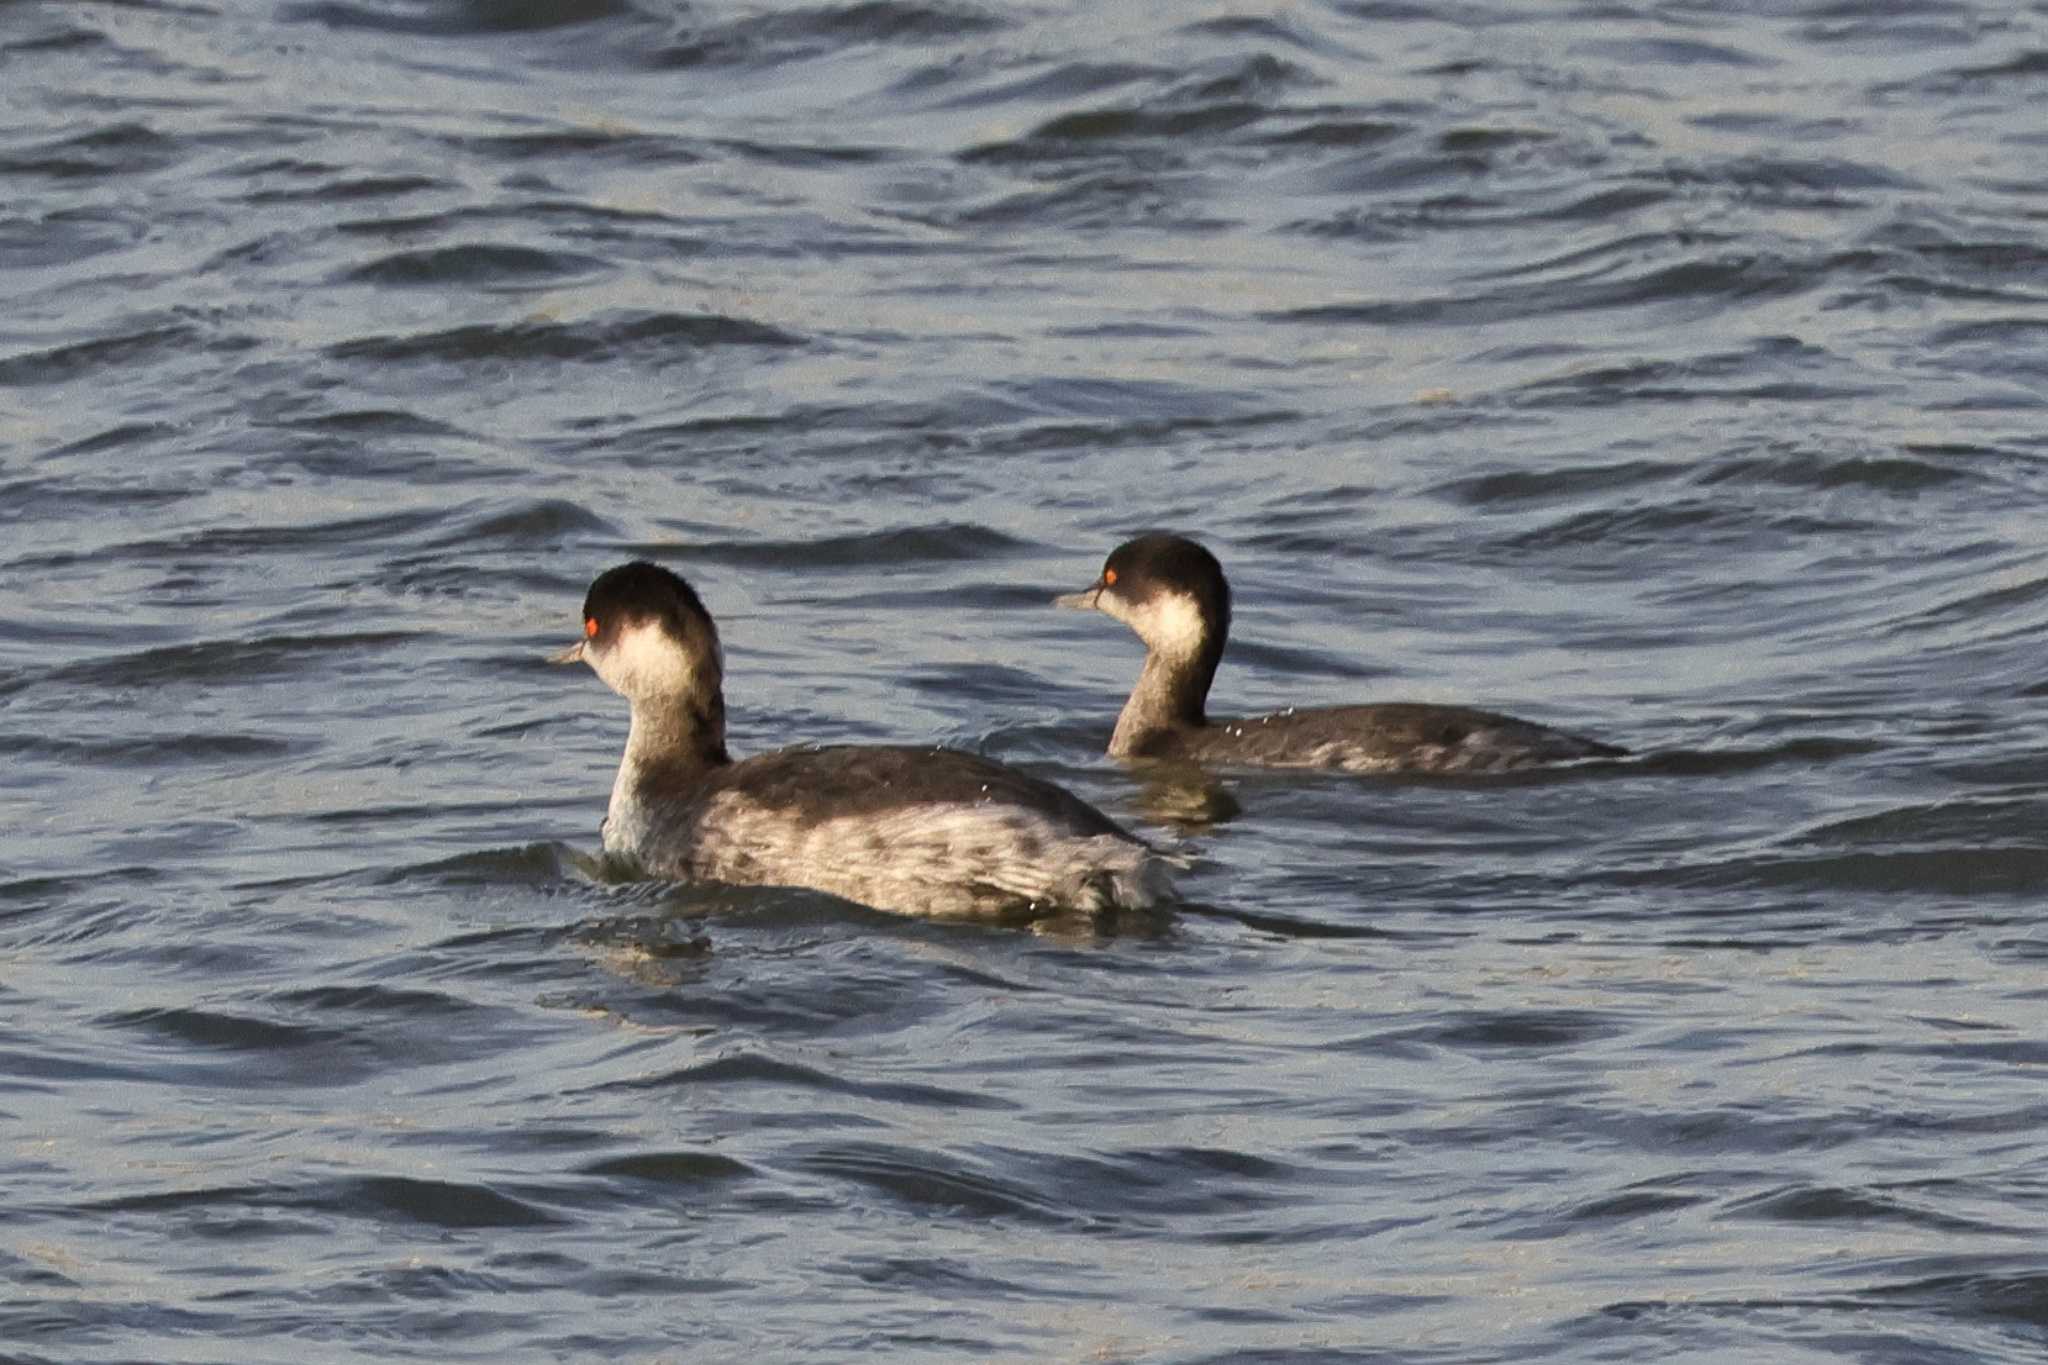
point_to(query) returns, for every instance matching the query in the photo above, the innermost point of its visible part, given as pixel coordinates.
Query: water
(1675, 374)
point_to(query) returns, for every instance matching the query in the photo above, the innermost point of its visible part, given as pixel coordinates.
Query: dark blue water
(1673, 373)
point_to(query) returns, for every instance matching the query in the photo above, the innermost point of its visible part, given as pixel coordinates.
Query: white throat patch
(1169, 622)
(643, 660)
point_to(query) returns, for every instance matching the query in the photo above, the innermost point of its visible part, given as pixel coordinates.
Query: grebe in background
(1172, 592)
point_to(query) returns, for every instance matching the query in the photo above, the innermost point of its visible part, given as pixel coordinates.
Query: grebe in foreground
(1172, 592)
(922, 831)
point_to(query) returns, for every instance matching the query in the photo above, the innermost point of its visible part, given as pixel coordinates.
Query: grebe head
(1165, 587)
(646, 633)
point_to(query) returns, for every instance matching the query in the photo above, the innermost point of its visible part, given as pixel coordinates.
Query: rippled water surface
(1673, 373)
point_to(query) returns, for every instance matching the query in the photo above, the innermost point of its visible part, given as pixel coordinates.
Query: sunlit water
(1675, 374)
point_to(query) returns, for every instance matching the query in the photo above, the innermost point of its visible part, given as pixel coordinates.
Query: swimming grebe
(1172, 592)
(921, 831)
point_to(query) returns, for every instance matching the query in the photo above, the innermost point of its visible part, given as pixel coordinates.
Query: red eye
(1109, 578)
(590, 628)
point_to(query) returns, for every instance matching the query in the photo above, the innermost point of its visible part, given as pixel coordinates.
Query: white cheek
(1168, 622)
(643, 661)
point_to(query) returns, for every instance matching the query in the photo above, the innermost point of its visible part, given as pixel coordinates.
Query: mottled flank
(1172, 593)
(1391, 737)
(921, 831)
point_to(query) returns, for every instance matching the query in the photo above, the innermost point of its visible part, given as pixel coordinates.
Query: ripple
(1920, 822)
(530, 522)
(341, 189)
(672, 1168)
(216, 1029)
(1512, 487)
(456, 18)
(1221, 100)
(750, 1069)
(802, 32)
(932, 1183)
(359, 422)
(158, 751)
(227, 662)
(2023, 597)
(1899, 475)
(1632, 1205)
(938, 543)
(1740, 277)
(232, 542)
(1132, 1186)
(58, 39)
(475, 264)
(579, 146)
(112, 150)
(1640, 52)
(64, 237)
(381, 1199)
(1048, 85)
(75, 360)
(594, 341)
(42, 501)
(2016, 1295)
(373, 1001)
(1829, 1203)
(1088, 202)
(1763, 372)
(1485, 1032)
(1980, 871)
(2025, 67)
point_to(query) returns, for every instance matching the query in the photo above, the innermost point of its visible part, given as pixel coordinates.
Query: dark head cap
(640, 592)
(1161, 562)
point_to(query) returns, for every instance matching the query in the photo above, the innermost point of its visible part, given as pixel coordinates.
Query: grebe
(1172, 592)
(918, 830)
